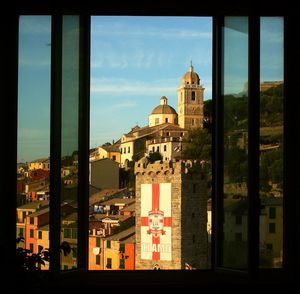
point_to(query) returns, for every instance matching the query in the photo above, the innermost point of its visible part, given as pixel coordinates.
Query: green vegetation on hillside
(235, 137)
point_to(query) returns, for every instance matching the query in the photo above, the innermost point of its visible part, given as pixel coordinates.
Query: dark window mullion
(55, 142)
(9, 126)
(253, 145)
(217, 144)
(83, 144)
(291, 201)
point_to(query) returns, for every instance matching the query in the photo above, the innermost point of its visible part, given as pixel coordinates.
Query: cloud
(118, 59)
(33, 25)
(35, 63)
(122, 29)
(127, 86)
(272, 37)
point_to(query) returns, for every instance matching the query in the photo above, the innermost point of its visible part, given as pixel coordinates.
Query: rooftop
(35, 204)
(122, 235)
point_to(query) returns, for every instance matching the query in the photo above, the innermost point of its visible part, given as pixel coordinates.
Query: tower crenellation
(172, 166)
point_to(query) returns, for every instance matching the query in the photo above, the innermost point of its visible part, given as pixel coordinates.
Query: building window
(128, 149)
(74, 249)
(40, 235)
(67, 233)
(108, 244)
(114, 157)
(272, 228)
(98, 259)
(31, 233)
(23, 216)
(122, 247)
(21, 232)
(98, 239)
(193, 96)
(157, 121)
(108, 263)
(40, 248)
(157, 148)
(122, 263)
(194, 188)
(272, 212)
(31, 220)
(166, 120)
(165, 147)
(269, 246)
(31, 247)
(168, 134)
(193, 122)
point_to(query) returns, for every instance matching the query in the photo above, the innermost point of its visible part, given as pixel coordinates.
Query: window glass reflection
(235, 93)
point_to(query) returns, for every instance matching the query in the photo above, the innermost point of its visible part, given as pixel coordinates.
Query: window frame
(291, 107)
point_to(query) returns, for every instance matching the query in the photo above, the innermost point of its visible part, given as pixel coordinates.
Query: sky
(134, 61)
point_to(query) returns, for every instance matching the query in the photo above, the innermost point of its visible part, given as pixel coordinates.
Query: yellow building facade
(42, 163)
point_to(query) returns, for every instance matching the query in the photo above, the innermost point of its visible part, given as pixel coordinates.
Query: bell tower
(190, 101)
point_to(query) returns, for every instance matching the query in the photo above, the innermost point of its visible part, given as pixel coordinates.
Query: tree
(272, 166)
(154, 156)
(197, 145)
(235, 165)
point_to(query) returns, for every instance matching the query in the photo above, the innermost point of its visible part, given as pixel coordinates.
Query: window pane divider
(83, 144)
(55, 142)
(217, 144)
(253, 145)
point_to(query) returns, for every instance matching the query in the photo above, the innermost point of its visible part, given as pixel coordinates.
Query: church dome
(190, 77)
(163, 113)
(163, 108)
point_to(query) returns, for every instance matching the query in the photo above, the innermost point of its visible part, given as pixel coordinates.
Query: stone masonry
(188, 207)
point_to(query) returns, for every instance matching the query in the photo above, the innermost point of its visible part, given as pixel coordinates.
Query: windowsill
(169, 279)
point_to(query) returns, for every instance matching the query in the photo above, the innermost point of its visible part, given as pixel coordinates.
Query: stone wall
(189, 211)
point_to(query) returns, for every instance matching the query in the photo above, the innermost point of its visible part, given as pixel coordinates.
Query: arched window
(193, 96)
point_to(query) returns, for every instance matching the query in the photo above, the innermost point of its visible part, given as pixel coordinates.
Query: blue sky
(134, 61)
(34, 88)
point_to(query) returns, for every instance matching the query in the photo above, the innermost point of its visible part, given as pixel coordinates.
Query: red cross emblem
(156, 221)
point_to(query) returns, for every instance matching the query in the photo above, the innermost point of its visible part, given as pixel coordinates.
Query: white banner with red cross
(156, 221)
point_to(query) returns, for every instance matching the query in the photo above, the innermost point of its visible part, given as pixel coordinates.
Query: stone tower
(171, 215)
(190, 101)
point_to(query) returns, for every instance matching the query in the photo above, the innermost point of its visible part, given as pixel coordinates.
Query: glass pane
(147, 210)
(69, 143)
(271, 142)
(235, 141)
(33, 165)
